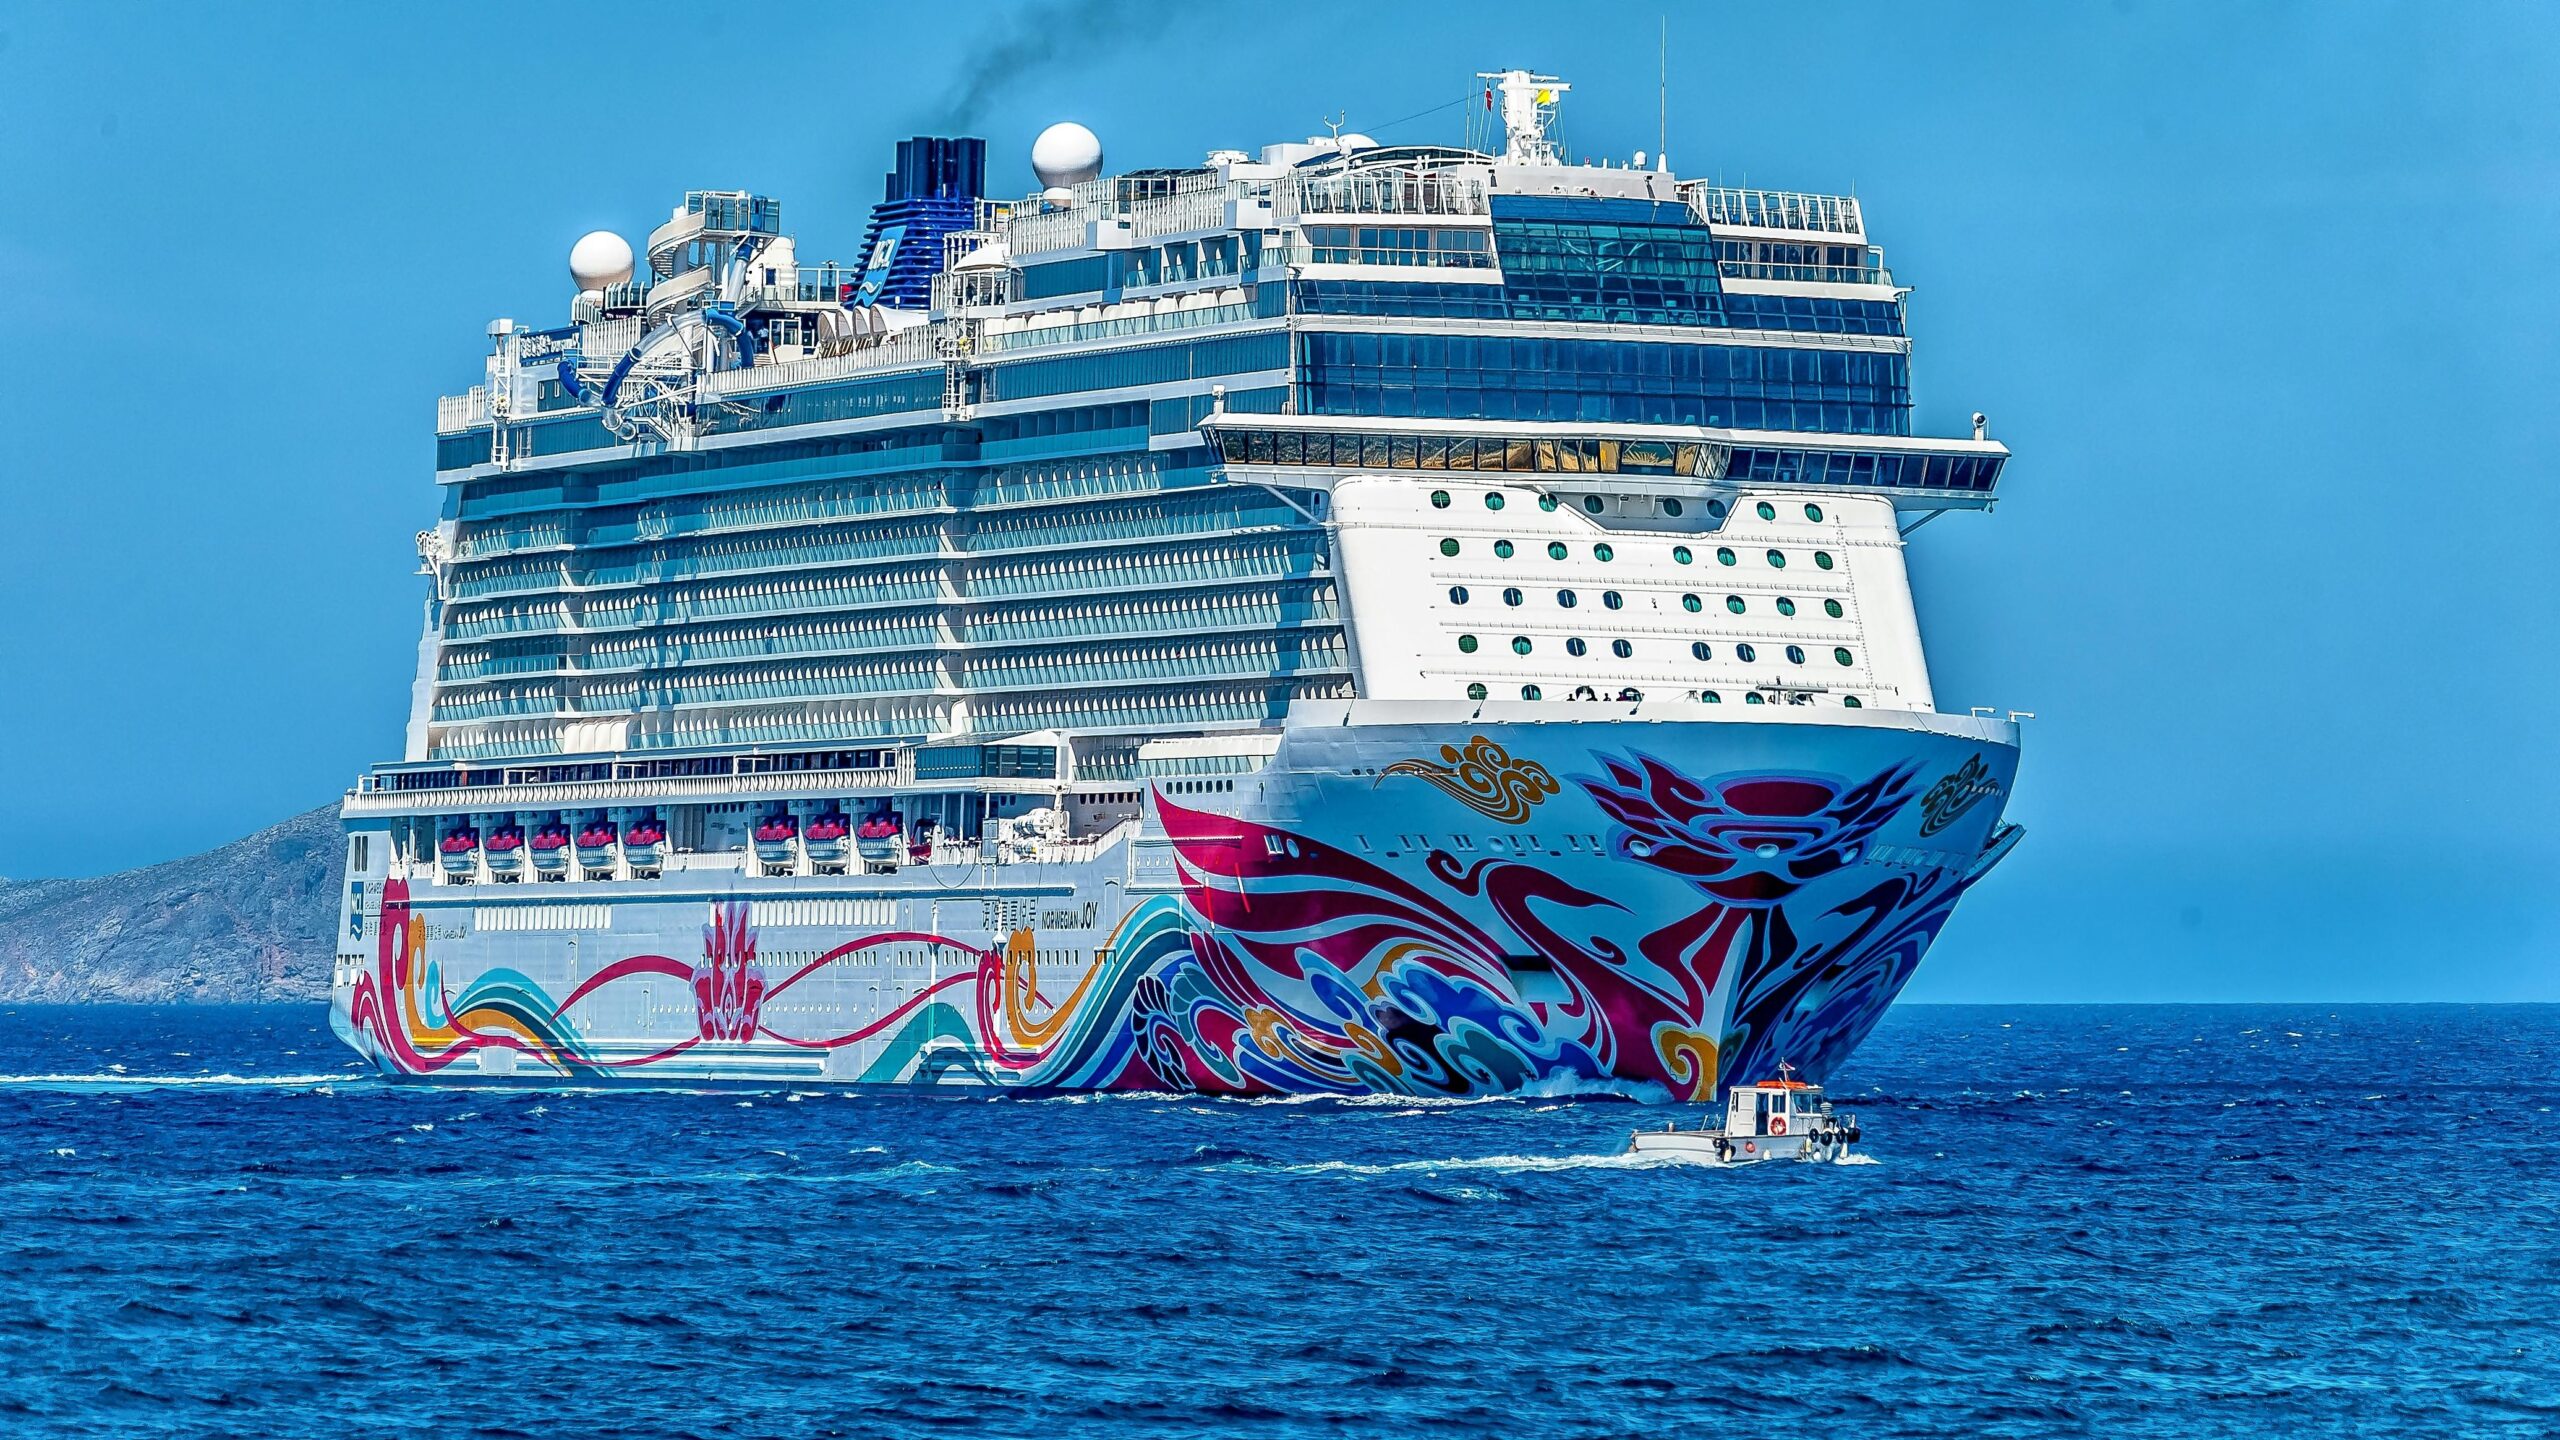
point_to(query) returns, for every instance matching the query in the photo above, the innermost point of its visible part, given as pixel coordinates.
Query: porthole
(1701, 650)
(1466, 644)
(1777, 559)
(1493, 499)
(1621, 649)
(1813, 513)
(1602, 552)
(1591, 503)
(1786, 606)
(1546, 502)
(1476, 691)
(1457, 594)
(1502, 549)
(1520, 645)
(1613, 599)
(1567, 599)
(1832, 609)
(1711, 697)
(1512, 597)
(1853, 702)
(1745, 654)
(1753, 698)
(1841, 654)
(1765, 510)
(1680, 555)
(1576, 648)
(1448, 547)
(1733, 603)
(1439, 499)
(1795, 654)
(1724, 556)
(1556, 550)
(1529, 692)
(1715, 509)
(1670, 507)
(1822, 558)
(1692, 604)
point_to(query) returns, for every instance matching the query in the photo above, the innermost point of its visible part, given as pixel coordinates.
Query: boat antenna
(1662, 89)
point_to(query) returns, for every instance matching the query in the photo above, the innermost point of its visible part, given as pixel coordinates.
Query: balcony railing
(1776, 210)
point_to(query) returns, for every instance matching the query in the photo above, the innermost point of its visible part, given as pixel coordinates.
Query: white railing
(1202, 209)
(456, 413)
(1775, 210)
(1112, 329)
(1062, 229)
(608, 339)
(1379, 192)
(899, 350)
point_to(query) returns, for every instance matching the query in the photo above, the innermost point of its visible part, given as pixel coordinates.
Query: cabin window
(1575, 647)
(1502, 549)
(1466, 644)
(1493, 499)
(1529, 692)
(1520, 645)
(1692, 604)
(1832, 609)
(1702, 650)
(1813, 513)
(1724, 556)
(1603, 552)
(1448, 547)
(1621, 648)
(1766, 511)
(1439, 499)
(1822, 558)
(1556, 550)
(1679, 554)
(1745, 653)
(1567, 599)
(1475, 691)
(1512, 597)
(1777, 560)
(1841, 654)
(1457, 594)
(1786, 606)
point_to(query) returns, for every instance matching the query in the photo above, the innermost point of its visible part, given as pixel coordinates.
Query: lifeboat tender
(1781, 1119)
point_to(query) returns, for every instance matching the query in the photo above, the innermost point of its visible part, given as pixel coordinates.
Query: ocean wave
(119, 1080)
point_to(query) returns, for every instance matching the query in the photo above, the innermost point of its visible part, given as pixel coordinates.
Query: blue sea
(2171, 1221)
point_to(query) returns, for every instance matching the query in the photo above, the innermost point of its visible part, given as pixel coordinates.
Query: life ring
(1777, 1124)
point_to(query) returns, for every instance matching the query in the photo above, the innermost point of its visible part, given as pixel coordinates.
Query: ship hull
(1410, 908)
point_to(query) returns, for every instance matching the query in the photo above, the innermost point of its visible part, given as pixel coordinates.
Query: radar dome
(1066, 154)
(600, 258)
(1356, 141)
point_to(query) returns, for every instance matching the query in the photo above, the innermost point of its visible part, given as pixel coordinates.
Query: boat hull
(1658, 905)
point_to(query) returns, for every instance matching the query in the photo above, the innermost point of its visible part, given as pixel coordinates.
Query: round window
(1711, 697)
(1519, 644)
(1670, 507)
(1765, 510)
(1841, 654)
(1777, 560)
(1853, 702)
(1715, 509)
(1457, 594)
(1493, 499)
(1546, 502)
(1786, 606)
(1692, 604)
(1733, 603)
(1591, 503)
(1575, 647)
(1753, 698)
(1832, 609)
(1723, 556)
(1822, 558)
(1602, 552)
(1556, 550)
(1745, 654)
(1621, 649)
(1813, 513)
(1512, 597)
(1439, 499)
(1701, 650)
(1795, 654)
(1466, 644)
(1567, 599)
(1680, 555)
(1502, 549)
(1448, 547)
(1613, 599)
(1529, 692)
(1476, 691)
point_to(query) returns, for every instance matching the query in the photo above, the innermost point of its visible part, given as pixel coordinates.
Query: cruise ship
(1343, 617)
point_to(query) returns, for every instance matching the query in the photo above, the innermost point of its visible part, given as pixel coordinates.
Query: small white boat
(1781, 1119)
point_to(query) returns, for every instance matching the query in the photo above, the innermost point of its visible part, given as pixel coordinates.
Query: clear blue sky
(2262, 295)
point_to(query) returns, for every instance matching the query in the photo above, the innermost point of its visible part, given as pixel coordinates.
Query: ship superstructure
(1349, 617)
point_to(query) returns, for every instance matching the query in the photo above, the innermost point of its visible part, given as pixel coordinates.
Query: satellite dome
(1356, 141)
(1066, 154)
(600, 258)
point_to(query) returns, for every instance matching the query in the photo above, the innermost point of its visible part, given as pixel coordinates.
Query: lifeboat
(551, 849)
(460, 850)
(825, 836)
(879, 843)
(777, 840)
(641, 845)
(595, 845)
(504, 850)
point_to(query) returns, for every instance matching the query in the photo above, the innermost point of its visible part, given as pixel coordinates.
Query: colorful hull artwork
(1460, 921)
